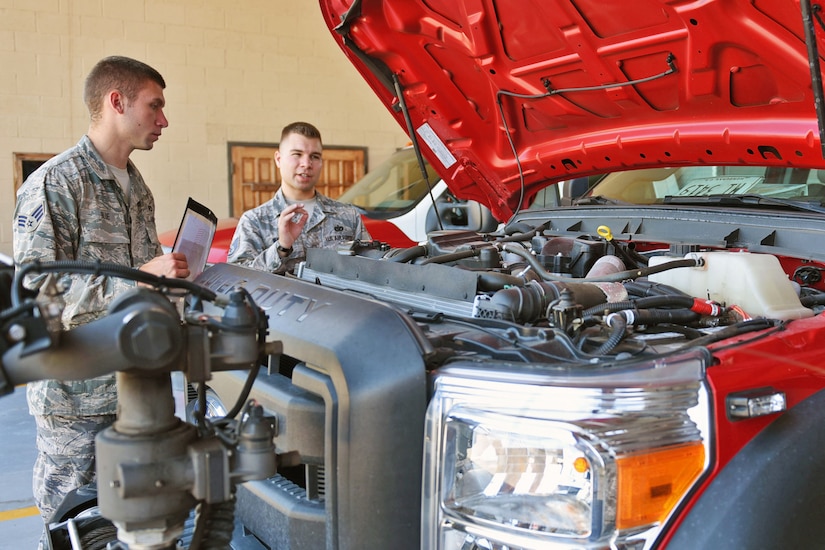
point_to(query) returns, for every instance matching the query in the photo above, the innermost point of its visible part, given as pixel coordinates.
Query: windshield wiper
(598, 199)
(746, 200)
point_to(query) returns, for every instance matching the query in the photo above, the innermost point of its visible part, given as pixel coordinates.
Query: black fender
(771, 495)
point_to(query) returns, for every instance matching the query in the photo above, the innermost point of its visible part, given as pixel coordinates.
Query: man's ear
(117, 101)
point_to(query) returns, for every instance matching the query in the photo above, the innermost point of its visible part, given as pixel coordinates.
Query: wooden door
(255, 177)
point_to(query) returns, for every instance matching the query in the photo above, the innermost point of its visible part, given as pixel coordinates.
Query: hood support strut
(414, 137)
(813, 64)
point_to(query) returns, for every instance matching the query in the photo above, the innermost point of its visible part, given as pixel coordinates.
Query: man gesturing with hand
(275, 235)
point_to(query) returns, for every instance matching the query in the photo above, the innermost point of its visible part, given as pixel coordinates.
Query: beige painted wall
(235, 72)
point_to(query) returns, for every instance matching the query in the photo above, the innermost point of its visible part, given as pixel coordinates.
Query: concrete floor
(17, 454)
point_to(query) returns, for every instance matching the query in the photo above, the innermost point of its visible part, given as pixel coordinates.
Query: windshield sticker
(436, 145)
(718, 186)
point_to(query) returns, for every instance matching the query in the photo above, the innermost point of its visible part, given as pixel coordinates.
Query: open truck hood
(509, 96)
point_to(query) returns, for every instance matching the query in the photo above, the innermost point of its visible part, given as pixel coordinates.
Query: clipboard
(195, 234)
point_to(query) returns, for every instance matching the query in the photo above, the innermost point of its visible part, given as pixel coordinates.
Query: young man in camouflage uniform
(275, 235)
(91, 203)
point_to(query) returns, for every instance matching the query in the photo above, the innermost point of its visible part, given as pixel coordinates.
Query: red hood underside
(584, 87)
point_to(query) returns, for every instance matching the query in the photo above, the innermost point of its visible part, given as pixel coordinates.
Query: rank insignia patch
(29, 222)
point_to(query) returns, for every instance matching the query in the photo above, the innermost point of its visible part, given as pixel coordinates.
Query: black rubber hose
(730, 331)
(813, 300)
(642, 303)
(662, 316)
(619, 326)
(408, 254)
(648, 317)
(103, 268)
(452, 257)
(522, 231)
(493, 280)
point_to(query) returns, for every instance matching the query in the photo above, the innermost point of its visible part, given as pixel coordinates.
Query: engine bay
(535, 294)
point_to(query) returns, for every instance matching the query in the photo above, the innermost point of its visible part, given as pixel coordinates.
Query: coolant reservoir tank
(754, 282)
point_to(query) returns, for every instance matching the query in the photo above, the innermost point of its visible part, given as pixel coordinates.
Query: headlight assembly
(539, 476)
(533, 460)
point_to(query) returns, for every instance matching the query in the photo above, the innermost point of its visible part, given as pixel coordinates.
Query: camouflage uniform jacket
(72, 208)
(330, 223)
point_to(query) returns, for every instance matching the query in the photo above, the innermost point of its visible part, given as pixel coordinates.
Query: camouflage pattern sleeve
(50, 234)
(254, 244)
(41, 226)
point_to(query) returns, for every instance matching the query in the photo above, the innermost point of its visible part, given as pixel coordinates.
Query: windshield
(395, 185)
(681, 185)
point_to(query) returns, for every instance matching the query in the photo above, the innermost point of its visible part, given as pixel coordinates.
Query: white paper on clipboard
(195, 234)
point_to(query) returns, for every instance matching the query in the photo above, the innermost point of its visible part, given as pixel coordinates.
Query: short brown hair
(302, 128)
(117, 72)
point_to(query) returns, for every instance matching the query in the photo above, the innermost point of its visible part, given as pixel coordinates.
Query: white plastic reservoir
(754, 282)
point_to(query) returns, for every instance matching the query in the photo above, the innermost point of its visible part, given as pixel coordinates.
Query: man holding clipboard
(194, 238)
(90, 203)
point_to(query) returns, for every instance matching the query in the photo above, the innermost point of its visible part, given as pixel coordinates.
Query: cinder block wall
(235, 71)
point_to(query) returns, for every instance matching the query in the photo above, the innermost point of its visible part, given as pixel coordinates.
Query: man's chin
(306, 184)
